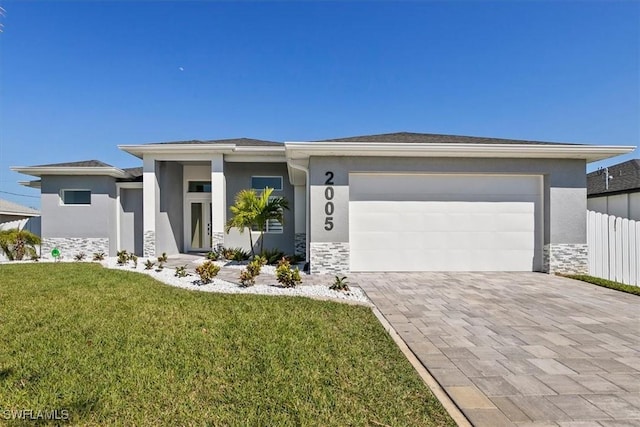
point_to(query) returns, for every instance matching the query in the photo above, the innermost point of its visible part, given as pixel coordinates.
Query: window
(262, 182)
(199, 187)
(272, 226)
(75, 197)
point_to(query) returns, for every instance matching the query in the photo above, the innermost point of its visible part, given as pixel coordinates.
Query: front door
(200, 226)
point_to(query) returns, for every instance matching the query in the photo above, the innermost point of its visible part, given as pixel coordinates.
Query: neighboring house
(615, 190)
(13, 215)
(391, 202)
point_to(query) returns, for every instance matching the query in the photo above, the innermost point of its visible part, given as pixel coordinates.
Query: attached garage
(445, 222)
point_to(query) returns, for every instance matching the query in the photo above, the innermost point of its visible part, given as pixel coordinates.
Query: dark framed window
(199, 187)
(75, 197)
(262, 182)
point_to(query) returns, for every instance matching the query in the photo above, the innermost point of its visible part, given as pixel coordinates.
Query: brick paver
(520, 348)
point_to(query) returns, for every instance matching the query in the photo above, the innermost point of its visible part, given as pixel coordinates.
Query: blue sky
(78, 78)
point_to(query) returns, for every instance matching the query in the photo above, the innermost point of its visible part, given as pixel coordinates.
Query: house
(615, 190)
(13, 215)
(390, 202)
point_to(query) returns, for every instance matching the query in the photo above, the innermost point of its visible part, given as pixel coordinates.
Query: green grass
(605, 283)
(115, 347)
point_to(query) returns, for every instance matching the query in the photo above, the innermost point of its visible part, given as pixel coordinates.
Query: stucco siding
(96, 220)
(169, 218)
(131, 237)
(564, 190)
(238, 177)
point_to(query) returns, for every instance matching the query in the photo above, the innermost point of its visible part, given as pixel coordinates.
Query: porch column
(218, 201)
(300, 222)
(150, 191)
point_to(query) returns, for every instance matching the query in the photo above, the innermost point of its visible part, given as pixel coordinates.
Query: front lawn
(114, 347)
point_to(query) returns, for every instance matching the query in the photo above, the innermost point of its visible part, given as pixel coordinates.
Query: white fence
(614, 248)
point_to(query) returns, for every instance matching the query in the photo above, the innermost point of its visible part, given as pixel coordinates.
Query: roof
(80, 164)
(11, 208)
(431, 138)
(623, 177)
(83, 167)
(135, 174)
(241, 142)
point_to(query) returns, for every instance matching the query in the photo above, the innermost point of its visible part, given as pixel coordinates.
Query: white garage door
(438, 222)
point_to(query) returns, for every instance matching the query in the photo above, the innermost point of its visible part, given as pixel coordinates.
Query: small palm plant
(16, 244)
(340, 284)
(251, 210)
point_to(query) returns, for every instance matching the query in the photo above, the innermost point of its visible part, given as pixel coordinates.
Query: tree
(17, 243)
(255, 211)
(245, 211)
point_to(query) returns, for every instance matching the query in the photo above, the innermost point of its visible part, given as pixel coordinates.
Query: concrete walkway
(520, 348)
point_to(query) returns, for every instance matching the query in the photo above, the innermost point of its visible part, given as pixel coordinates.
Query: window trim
(268, 176)
(64, 190)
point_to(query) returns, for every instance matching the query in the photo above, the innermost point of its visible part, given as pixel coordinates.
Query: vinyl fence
(614, 248)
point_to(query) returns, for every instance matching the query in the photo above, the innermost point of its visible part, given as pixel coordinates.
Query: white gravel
(192, 282)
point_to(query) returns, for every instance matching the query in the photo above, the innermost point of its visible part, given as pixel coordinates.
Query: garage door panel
(427, 222)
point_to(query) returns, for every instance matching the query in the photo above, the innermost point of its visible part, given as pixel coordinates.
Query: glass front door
(200, 230)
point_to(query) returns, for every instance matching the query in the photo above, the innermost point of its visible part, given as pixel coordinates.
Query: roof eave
(29, 214)
(590, 153)
(141, 150)
(31, 184)
(70, 170)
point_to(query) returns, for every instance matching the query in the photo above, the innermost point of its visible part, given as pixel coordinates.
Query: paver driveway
(520, 348)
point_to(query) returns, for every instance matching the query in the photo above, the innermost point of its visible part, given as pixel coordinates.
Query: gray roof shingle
(135, 175)
(430, 138)
(624, 177)
(241, 142)
(80, 164)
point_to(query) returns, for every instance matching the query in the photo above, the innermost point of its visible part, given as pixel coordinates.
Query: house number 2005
(329, 207)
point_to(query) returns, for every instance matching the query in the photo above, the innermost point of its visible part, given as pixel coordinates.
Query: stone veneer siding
(149, 245)
(217, 239)
(566, 258)
(71, 246)
(301, 244)
(329, 257)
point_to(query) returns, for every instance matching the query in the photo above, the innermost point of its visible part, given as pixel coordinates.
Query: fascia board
(140, 150)
(591, 153)
(31, 184)
(84, 170)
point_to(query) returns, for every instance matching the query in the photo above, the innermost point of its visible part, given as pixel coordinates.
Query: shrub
(248, 275)
(181, 271)
(35, 258)
(148, 265)
(273, 256)
(160, 266)
(79, 256)
(98, 256)
(123, 257)
(214, 255)
(235, 254)
(295, 258)
(134, 260)
(163, 258)
(287, 277)
(16, 244)
(207, 271)
(247, 279)
(340, 284)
